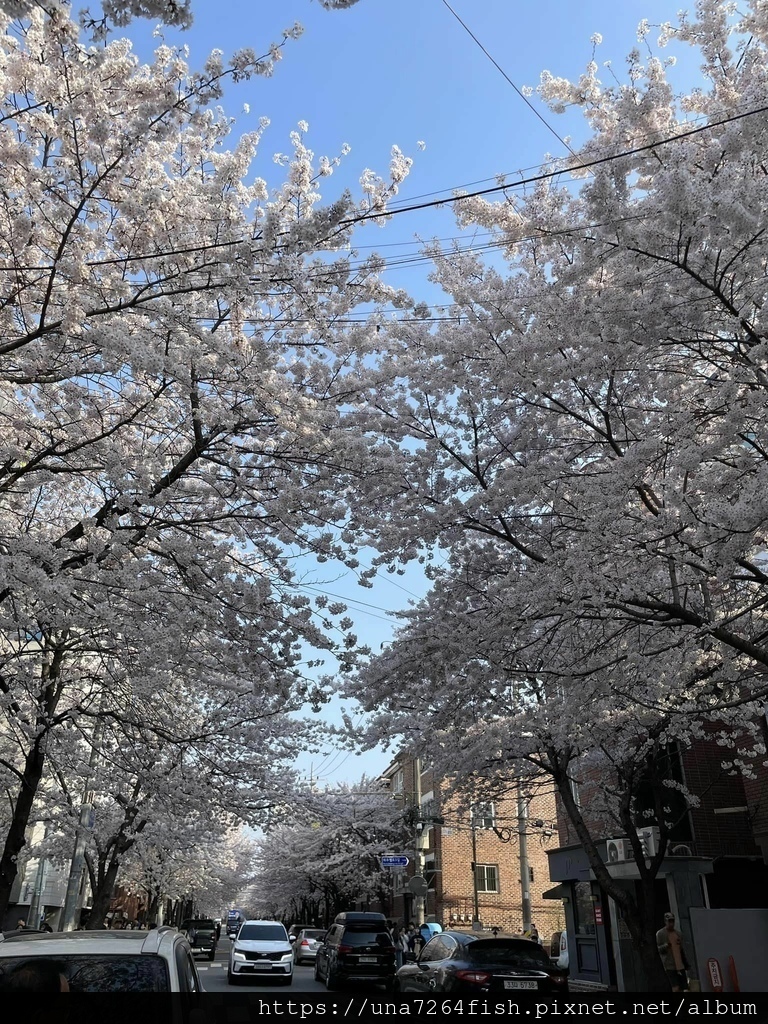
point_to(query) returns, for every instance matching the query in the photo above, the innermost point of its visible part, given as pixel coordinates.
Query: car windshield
(359, 937)
(508, 951)
(104, 973)
(262, 932)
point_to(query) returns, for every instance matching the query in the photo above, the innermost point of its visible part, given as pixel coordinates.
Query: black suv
(357, 947)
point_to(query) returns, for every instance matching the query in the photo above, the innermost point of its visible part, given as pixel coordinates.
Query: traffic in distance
(359, 950)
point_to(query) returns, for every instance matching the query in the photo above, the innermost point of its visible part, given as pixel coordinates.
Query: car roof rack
(154, 936)
(353, 916)
(23, 933)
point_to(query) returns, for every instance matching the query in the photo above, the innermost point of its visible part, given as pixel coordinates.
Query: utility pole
(85, 821)
(522, 838)
(33, 917)
(476, 918)
(418, 828)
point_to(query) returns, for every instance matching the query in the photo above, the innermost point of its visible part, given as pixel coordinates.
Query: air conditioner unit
(649, 839)
(618, 850)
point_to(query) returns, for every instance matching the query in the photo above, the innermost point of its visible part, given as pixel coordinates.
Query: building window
(487, 877)
(583, 908)
(575, 791)
(397, 783)
(483, 815)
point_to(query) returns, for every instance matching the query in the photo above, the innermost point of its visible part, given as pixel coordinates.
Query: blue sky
(398, 72)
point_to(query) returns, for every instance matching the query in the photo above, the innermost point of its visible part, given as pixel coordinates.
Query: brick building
(714, 876)
(452, 833)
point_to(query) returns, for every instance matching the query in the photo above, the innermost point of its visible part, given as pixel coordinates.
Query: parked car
(294, 930)
(465, 962)
(261, 950)
(200, 933)
(357, 947)
(306, 944)
(109, 960)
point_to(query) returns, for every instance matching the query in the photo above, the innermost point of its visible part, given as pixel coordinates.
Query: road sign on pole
(394, 860)
(418, 885)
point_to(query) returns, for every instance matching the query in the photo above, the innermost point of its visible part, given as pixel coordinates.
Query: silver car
(306, 944)
(159, 960)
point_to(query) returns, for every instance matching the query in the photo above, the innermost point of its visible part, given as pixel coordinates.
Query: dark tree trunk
(153, 907)
(22, 810)
(639, 916)
(102, 897)
(34, 765)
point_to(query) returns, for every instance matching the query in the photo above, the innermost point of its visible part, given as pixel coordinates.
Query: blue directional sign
(394, 860)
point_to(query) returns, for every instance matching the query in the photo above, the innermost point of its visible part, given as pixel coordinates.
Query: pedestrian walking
(397, 942)
(672, 953)
(405, 948)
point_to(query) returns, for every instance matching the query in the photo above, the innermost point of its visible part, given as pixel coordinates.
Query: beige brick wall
(450, 853)
(451, 846)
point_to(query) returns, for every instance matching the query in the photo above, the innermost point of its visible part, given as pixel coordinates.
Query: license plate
(263, 965)
(369, 960)
(521, 984)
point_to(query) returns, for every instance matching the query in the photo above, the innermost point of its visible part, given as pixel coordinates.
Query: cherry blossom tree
(115, 12)
(324, 855)
(119, 13)
(171, 424)
(578, 452)
(203, 865)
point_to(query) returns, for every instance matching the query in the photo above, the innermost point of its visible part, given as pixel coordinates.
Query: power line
(548, 175)
(351, 600)
(500, 69)
(393, 210)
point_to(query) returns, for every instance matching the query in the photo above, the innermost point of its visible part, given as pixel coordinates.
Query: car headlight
(238, 956)
(288, 955)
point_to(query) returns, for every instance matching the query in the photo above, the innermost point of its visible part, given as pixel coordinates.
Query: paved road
(214, 977)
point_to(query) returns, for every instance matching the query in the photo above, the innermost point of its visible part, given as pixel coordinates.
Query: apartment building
(480, 858)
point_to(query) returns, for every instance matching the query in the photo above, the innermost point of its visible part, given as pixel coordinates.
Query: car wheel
(317, 972)
(230, 977)
(212, 955)
(331, 979)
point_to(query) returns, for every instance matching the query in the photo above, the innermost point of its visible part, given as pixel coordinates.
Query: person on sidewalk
(670, 945)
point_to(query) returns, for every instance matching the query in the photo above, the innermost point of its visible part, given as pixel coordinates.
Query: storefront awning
(560, 892)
